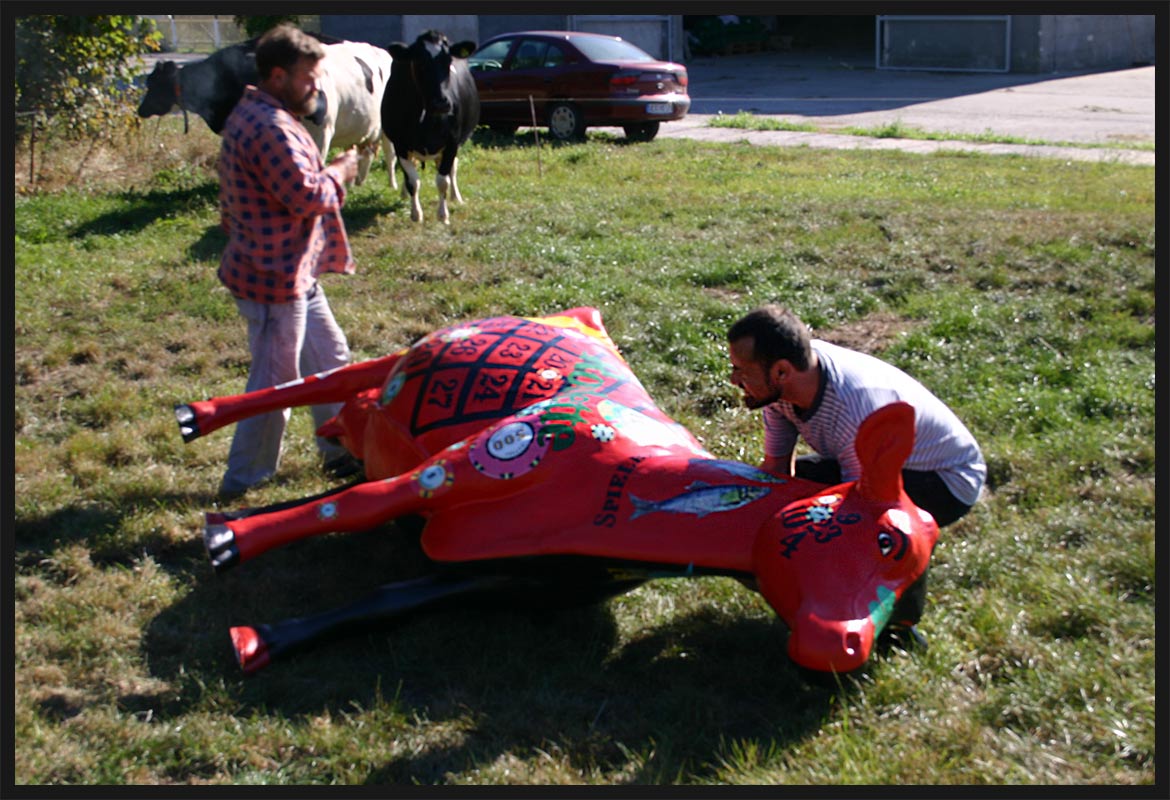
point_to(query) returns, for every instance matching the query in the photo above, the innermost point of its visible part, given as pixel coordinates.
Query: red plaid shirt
(279, 203)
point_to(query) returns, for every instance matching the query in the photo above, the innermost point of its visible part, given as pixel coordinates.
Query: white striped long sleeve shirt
(853, 386)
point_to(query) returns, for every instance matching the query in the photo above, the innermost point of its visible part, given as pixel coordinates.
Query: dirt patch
(870, 334)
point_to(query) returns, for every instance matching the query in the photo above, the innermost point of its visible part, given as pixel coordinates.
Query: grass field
(1020, 290)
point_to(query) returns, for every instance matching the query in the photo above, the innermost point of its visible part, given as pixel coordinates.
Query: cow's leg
(410, 185)
(444, 181)
(257, 646)
(365, 158)
(204, 416)
(441, 183)
(361, 507)
(455, 195)
(388, 157)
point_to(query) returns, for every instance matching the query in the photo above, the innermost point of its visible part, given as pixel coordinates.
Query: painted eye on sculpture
(892, 543)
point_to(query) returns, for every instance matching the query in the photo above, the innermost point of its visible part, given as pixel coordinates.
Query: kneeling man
(819, 391)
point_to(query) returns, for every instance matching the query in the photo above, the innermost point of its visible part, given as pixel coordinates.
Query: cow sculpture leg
(234, 538)
(256, 646)
(540, 584)
(204, 416)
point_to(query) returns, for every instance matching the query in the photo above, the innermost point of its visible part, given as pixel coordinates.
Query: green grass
(900, 130)
(1021, 290)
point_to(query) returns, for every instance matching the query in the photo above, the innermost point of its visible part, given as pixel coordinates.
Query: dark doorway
(847, 39)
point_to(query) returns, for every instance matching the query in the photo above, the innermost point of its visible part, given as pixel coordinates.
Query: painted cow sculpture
(541, 465)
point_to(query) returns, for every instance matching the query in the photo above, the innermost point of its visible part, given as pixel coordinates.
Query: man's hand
(348, 162)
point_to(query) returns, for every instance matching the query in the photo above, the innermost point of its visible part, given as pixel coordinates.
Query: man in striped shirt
(812, 389)
(281, 207)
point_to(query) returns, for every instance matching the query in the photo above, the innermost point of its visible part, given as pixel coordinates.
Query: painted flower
(817, 514)
(603, 433)
(458, 334)
(434, 478)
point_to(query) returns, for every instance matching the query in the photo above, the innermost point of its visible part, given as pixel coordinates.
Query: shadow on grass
(99, 526)
(519, 677)
(138, 209)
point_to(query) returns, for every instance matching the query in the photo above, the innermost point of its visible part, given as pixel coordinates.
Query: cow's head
(162, 92)
(835, 565)
(427, 65)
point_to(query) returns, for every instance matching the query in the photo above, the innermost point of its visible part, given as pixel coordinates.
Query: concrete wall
(661, 37)
(494, 24)
(1072, 42)
(379, 29)
(940, 43)
(1076, 41)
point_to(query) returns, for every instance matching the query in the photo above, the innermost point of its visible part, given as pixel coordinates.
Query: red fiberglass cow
(541, 466)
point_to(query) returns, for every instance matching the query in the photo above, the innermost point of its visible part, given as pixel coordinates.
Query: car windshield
(490, 56)
(601, 49)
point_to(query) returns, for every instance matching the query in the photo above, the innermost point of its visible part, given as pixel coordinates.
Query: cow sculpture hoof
(542, 469)
(220, 542)
(250, 648)
(188, 425)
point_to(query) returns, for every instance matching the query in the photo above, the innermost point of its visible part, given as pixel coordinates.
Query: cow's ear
(397, 49)
(883, 444)
(462, 49)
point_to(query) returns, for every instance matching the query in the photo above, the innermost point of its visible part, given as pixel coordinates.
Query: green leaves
(73, 71)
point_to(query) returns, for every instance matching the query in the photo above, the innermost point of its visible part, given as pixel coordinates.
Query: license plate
(659, 108)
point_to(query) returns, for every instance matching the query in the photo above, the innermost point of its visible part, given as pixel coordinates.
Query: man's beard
(301, 106)
(753, 402)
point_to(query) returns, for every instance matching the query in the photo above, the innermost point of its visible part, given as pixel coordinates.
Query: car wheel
(503, 128)
(641, 131)
(565, 122)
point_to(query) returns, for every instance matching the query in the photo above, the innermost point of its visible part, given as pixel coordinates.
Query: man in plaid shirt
(281, 207)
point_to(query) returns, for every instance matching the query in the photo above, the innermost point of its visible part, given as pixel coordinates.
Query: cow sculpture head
(529, 444)
(830, 562)
(427, 65)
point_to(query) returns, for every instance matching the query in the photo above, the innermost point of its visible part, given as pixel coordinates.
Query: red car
(574, 80)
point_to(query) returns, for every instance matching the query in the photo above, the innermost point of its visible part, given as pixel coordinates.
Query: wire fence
(197, 33)
(206, 33)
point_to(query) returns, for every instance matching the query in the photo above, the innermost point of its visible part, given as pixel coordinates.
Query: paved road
(1115, 107)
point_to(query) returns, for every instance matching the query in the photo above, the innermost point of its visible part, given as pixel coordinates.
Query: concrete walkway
(1115, 107)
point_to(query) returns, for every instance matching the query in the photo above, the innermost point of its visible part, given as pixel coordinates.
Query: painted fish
(738, 469)
(701, 499)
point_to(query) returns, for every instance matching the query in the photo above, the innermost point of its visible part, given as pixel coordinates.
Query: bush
(72, 72)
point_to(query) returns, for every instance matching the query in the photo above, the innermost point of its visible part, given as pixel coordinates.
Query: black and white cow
(349, 109)
(209, 88)
(430, 108)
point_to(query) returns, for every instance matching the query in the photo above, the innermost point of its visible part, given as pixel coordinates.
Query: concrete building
(1030, 43)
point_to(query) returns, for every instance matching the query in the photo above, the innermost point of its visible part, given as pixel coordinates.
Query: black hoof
(220, 541)
(187, 424)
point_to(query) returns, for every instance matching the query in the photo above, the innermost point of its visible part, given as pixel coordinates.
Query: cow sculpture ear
(463, 49)
(883, 443)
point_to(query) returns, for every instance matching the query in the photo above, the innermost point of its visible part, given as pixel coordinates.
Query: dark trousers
(926, 489)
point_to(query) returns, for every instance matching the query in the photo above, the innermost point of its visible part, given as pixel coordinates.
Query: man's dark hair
(283, 47)
(776, 333)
